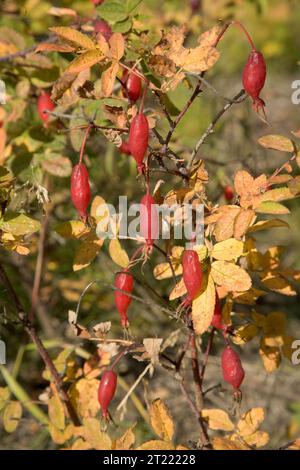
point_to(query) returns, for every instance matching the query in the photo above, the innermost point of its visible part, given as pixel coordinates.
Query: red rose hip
(133, 85)
(233, 372)
(80, 189)
(100, 26)
(149, 220)
(45, 104)
(106, 391)
(138, 139)
(124, 148)
(124, 282)
(254, 76)
(192, 273)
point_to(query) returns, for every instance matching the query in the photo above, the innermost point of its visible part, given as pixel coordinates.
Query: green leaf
(112, 11)
(19, 224)
(132, 4)
(123, 26)
(271, 207)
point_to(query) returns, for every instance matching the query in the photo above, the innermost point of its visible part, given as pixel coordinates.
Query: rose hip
(45, 104)
(124, 148)
(80, 189)
(149, 220)
(138, 139)
(228, 193)
(192, 273)
(233, 372)
(133, 85)
(106, 391)
(123, 281)
(254, 76)
(100, 26)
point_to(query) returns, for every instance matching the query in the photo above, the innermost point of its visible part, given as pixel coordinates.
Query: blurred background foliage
(274, 25)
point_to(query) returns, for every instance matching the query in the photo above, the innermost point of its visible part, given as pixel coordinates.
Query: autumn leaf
(73, 36)
(203, 306)
(228, 250)
(232, 277)
(276, 142)
(161, 420)
(217, 419)
(85, 61)
(117, 253)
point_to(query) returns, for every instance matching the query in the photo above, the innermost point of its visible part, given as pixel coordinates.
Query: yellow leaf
(94, 436)
(178, 291)
(266, 224)
(270, 207)
(223, 443)
(161, 420)
(250, 421)
(201, 251)
(126, 441)
(80, 444)
(61, 436)
(117, 46)
(4, 396)
(242, 222)
(274, 329)
(257, 439)
(217, 419)
(156, 445)
(118, 254)
(56, 412)
(277, 283)
(100, 212)
(73, 36)
(231, 276)
(270, 356)
(163, 270)
(244, 334)
(108, 79)
(87, 252)
(72, 229)
(85, 61)
(204, 305)
(11, 416)
(84, 397)
(276, 142)
(225, 224)
(228, 250)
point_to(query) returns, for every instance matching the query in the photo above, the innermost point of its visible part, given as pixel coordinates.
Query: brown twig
(30, 330)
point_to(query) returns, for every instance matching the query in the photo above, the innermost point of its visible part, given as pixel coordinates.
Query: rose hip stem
(143, 97)
(242, 28)
(87, 131)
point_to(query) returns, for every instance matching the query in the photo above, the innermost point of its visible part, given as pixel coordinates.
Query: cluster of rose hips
(254, 75)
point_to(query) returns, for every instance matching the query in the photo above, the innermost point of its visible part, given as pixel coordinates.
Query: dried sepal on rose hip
(192, 274)
(106, 391)
(233, 372)
(138, 139)
(80, 189)
(149, 221)
(124, 282)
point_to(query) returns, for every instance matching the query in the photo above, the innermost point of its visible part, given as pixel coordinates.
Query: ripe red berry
(233, 372)
(228, 193)
(149, 220)
(138, 139)
(97, 2)
(44, 104)
(80, 189)
(123, 281)
(254, 76)
(106, 390)
(100, 26)
(192, 273)
(124, 148)
(133, 84)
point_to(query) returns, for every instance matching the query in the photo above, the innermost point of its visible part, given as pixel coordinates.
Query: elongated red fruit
(106, 390)
(217, 317)
(195, 5)
(100, 26)
(133, 84)
(97, 2)
(80, 189)
(45, 104)
(228, 193)
(192, 273)
(138, 139)
(233, 372)
(254, 77)
(149, 225)
(123, 281)
(124, 148)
